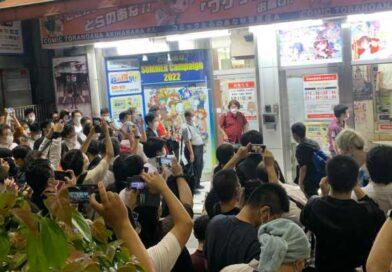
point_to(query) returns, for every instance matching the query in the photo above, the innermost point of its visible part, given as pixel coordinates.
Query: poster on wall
(177, 84)
(311, 44)
(11, 40)
(119, 104)
(371, 40)
(149, 18)
(245, 93)
(16, 80)
(321, 94)
(124, 82)
(318, 131)
(72, 84)
(362, 82)
(121, 64)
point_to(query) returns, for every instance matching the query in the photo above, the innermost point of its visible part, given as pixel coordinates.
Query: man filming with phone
(194, 146)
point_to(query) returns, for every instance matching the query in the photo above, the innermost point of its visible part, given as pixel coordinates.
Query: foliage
(62, 241)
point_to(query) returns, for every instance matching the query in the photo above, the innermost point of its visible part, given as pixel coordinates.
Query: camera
(81, 194)
(60, 175)
(257, 148)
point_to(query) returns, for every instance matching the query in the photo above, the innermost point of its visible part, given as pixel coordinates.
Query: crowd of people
(335, 217)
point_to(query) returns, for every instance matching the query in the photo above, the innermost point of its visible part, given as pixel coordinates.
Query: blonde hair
(349, 138)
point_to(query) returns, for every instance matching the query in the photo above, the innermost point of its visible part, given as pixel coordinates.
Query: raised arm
(269, 162)
(380, 257)
(88, 140)
(182, 221)
(184, 190)
(241, 154)
(109, 153)
(113, 210)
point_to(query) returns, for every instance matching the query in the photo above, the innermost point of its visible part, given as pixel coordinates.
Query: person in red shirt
(233, 124)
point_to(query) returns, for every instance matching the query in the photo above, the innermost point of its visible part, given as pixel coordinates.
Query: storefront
(281, 72)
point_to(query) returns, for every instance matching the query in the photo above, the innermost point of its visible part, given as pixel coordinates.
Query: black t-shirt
(344, 229)
(217, 211)
(230, 241)
(304, 155)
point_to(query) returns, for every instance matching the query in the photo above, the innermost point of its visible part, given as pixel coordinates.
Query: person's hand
(92, 131)
(225, 138)
(243, 152)
(70, 182)
(268, 158)
(58, 127)
(155, 182)
(111, 208)
(191, 157)
(11, 186)
(176, 168)
(4, 165)
(104, 124)
(324, 186)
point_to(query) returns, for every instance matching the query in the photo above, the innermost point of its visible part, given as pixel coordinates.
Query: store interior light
(135, 46)
(387, 15)
(198, 35)
(298, 24)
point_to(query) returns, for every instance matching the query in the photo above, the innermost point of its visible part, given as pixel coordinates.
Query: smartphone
(81, 193)
(97, 125)
(136, 183)
(257, 148)
(166, 161)
(60, 175)
(10, 111)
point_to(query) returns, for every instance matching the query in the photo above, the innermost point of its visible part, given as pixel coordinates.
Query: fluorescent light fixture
(135, 46)
(387, 15)
(198, 35)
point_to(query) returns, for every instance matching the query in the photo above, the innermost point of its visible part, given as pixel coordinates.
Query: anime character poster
(371, 40)
(72, 84)
(119, 104)
(311, 44)
(173, 101)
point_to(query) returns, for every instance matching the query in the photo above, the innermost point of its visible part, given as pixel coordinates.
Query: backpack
(319, 161)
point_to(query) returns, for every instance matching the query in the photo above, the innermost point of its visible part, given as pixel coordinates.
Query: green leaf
(27, 218)
(7, 202)
(4, 246)
(35, 253)
(99, 231)
(59, 207)
(80, 223)
(54, 243)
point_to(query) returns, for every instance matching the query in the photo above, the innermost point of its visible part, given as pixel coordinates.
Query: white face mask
(234, 110)
(10, 139)
(107, 119)
(78, 120)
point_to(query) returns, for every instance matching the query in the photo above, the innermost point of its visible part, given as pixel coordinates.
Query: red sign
(321, 77)
(149, 18)
(240, 85)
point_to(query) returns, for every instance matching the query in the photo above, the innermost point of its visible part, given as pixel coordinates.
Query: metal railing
(41, 111)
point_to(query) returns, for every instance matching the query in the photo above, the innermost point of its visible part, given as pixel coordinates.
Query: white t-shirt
(250, 267)
(164, 255)
(381, 194)
(11, 147)
(98, 173)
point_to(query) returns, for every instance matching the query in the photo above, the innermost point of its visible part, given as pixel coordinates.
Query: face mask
(234, 110)
(71, 140)
(77, 120)
(10, 139)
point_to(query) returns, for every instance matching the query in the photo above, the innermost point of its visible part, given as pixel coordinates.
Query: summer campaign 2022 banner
(158, 17)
